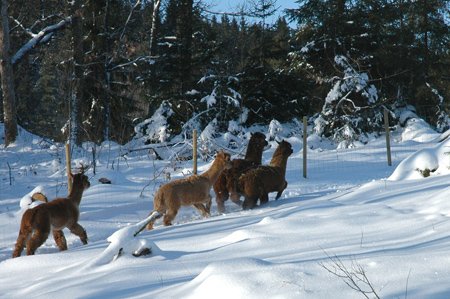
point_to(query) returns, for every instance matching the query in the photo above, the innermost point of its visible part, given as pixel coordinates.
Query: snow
(155, 128)
(210, 99)
(391, 221)
(27, 201)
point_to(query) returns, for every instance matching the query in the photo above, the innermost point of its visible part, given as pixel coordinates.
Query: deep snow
(391, 221)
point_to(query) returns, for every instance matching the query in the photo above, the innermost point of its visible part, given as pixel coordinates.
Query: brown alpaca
(193, 190)
(225, 186)
(258, 182)
(55, 215)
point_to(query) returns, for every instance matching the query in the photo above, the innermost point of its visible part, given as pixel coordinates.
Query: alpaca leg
(60, 239)
(24, 232)
(78, 230)
(281, 191)
(220, 189)
(221, 197)
(169, 216)
(20, 243)
(236, 198)
(208, 205)
(37, 239)
(249, 202)
(203, 210)
(264, 198)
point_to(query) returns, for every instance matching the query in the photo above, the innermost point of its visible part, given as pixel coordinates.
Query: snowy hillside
(353, 213)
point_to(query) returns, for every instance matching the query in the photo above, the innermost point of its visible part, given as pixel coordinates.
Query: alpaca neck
(254, 154)
(213, 172)
(279, 161)
(75, 194)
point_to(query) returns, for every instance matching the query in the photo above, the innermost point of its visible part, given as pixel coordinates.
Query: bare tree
(6, 73)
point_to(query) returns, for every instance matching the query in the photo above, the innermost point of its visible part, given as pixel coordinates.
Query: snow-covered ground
(353, 213)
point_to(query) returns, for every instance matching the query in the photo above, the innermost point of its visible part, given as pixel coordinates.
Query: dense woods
(101, 68)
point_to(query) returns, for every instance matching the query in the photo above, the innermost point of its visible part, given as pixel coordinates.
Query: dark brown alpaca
(54, 215)
(193, 190)
(225, 186)
(258, 182)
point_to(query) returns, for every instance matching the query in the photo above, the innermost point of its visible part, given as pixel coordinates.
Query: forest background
(99, 70)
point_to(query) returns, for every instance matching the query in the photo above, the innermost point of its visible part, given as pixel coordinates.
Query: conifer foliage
(117, 64)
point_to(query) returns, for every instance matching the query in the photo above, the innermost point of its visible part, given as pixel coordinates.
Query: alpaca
(193, 190)
(53, 216)
(258, 182)
(225, 186)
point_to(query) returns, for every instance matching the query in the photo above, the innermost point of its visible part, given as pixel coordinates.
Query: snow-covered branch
(42, 37)
(148, 59)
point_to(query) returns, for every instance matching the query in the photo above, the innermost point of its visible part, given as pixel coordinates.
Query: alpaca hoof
(247, 207)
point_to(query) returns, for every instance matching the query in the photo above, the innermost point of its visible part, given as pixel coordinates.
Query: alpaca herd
(229, 179)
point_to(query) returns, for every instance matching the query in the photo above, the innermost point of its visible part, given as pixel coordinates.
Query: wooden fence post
(194, 150)
(68, 168)
(388, 137)
(305, 145)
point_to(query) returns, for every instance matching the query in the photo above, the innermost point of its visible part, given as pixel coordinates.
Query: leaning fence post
(194, 150)
(68, 168)
(388, 137)
(305, 145)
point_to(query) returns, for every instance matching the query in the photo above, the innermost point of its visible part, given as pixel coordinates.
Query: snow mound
(418, 130)
(423, 163)
(244, 278)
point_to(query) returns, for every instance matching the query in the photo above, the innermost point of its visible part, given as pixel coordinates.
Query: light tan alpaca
(55, 215)
(193, 190)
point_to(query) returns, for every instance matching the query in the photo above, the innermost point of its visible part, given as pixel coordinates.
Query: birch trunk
(154, 29)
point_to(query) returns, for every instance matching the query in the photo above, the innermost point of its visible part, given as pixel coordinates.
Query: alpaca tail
(26, 228)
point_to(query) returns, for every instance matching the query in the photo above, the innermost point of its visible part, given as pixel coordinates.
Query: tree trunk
(184, 37)
(78, 85)
(7, 79)
(107, 74)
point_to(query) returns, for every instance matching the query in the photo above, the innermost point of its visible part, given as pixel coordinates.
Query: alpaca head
(225, 159)
(259, 140)
(80, 180)
(284, 149)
